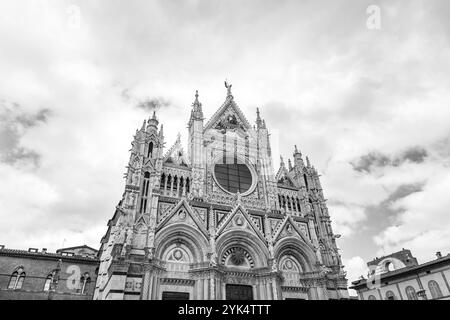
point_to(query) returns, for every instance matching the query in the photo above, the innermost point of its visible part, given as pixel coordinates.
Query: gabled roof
(228, 104)
(76, 247)
(284, 174)
(176, 154)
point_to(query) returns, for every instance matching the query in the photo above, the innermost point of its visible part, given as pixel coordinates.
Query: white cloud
(424, 225)
(355, 268)
(321, 79)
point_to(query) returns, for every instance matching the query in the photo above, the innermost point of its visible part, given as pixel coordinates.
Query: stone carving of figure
(120, 236)
(151, 253)
(274, 265)
(271, 249)
(310, 208)
(127, 241)
(135, 178)
(228, 86)
(131, 199)
(213, 259)
(151, 238)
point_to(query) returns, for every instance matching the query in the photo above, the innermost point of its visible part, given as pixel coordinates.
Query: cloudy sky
(369, 106)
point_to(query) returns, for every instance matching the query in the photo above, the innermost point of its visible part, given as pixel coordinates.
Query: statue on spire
(228, 86)
(281, 161)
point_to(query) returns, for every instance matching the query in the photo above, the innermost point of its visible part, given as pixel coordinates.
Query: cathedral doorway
(239, 292)
(170, 295)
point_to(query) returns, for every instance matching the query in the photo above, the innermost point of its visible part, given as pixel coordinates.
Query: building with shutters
(216, 221)
(399, 276)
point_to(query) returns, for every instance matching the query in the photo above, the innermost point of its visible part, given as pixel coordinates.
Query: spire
(197, 112)
(308, 164)
(196, 97)
(152, 123)
(143, 126)
(281, 161)
(264, 124)
(178, 137)
(258, 119)
(161, 131)
(298, 161)
(289, 164)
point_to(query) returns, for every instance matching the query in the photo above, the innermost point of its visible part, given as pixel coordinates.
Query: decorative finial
(143, 125)
(281, 161)
(289, 164)
(296, 150)
(307, 162)
(178, 137)
(154, 115)
(258, 119)
(228, 86)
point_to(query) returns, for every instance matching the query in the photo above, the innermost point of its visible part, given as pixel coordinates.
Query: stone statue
(228, 86)
(135, 178)
(120, 236)
(131, 199)
(213, 259)
(128, 233)
(274, 265)
(271, 249)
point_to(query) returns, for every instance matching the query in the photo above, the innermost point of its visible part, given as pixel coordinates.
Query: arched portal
(180, 248)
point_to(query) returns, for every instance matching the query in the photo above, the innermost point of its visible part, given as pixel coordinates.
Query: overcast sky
(369, 107)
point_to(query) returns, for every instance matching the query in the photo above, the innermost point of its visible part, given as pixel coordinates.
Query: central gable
(176, 155)
(228, 116)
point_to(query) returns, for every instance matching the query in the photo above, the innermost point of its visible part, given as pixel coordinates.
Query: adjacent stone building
(217, 222)
(68, 274)
(399, 276)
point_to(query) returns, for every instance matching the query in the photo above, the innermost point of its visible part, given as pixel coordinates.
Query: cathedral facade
(216, 221)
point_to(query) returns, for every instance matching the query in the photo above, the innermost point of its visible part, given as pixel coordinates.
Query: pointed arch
(17, 278)
(182, 234)
(246, 240)
(293, 246)
(150, 150)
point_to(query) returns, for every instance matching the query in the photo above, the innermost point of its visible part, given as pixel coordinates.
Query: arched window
(48, 282)
(150, 150)
(144, 192)
(16, 280)
(411, 293)
(435, 290)
(389, 266)
(180, 192)
(175, 184)
(163, 180)
(372, 297)
(390, 295)
(84, 281)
